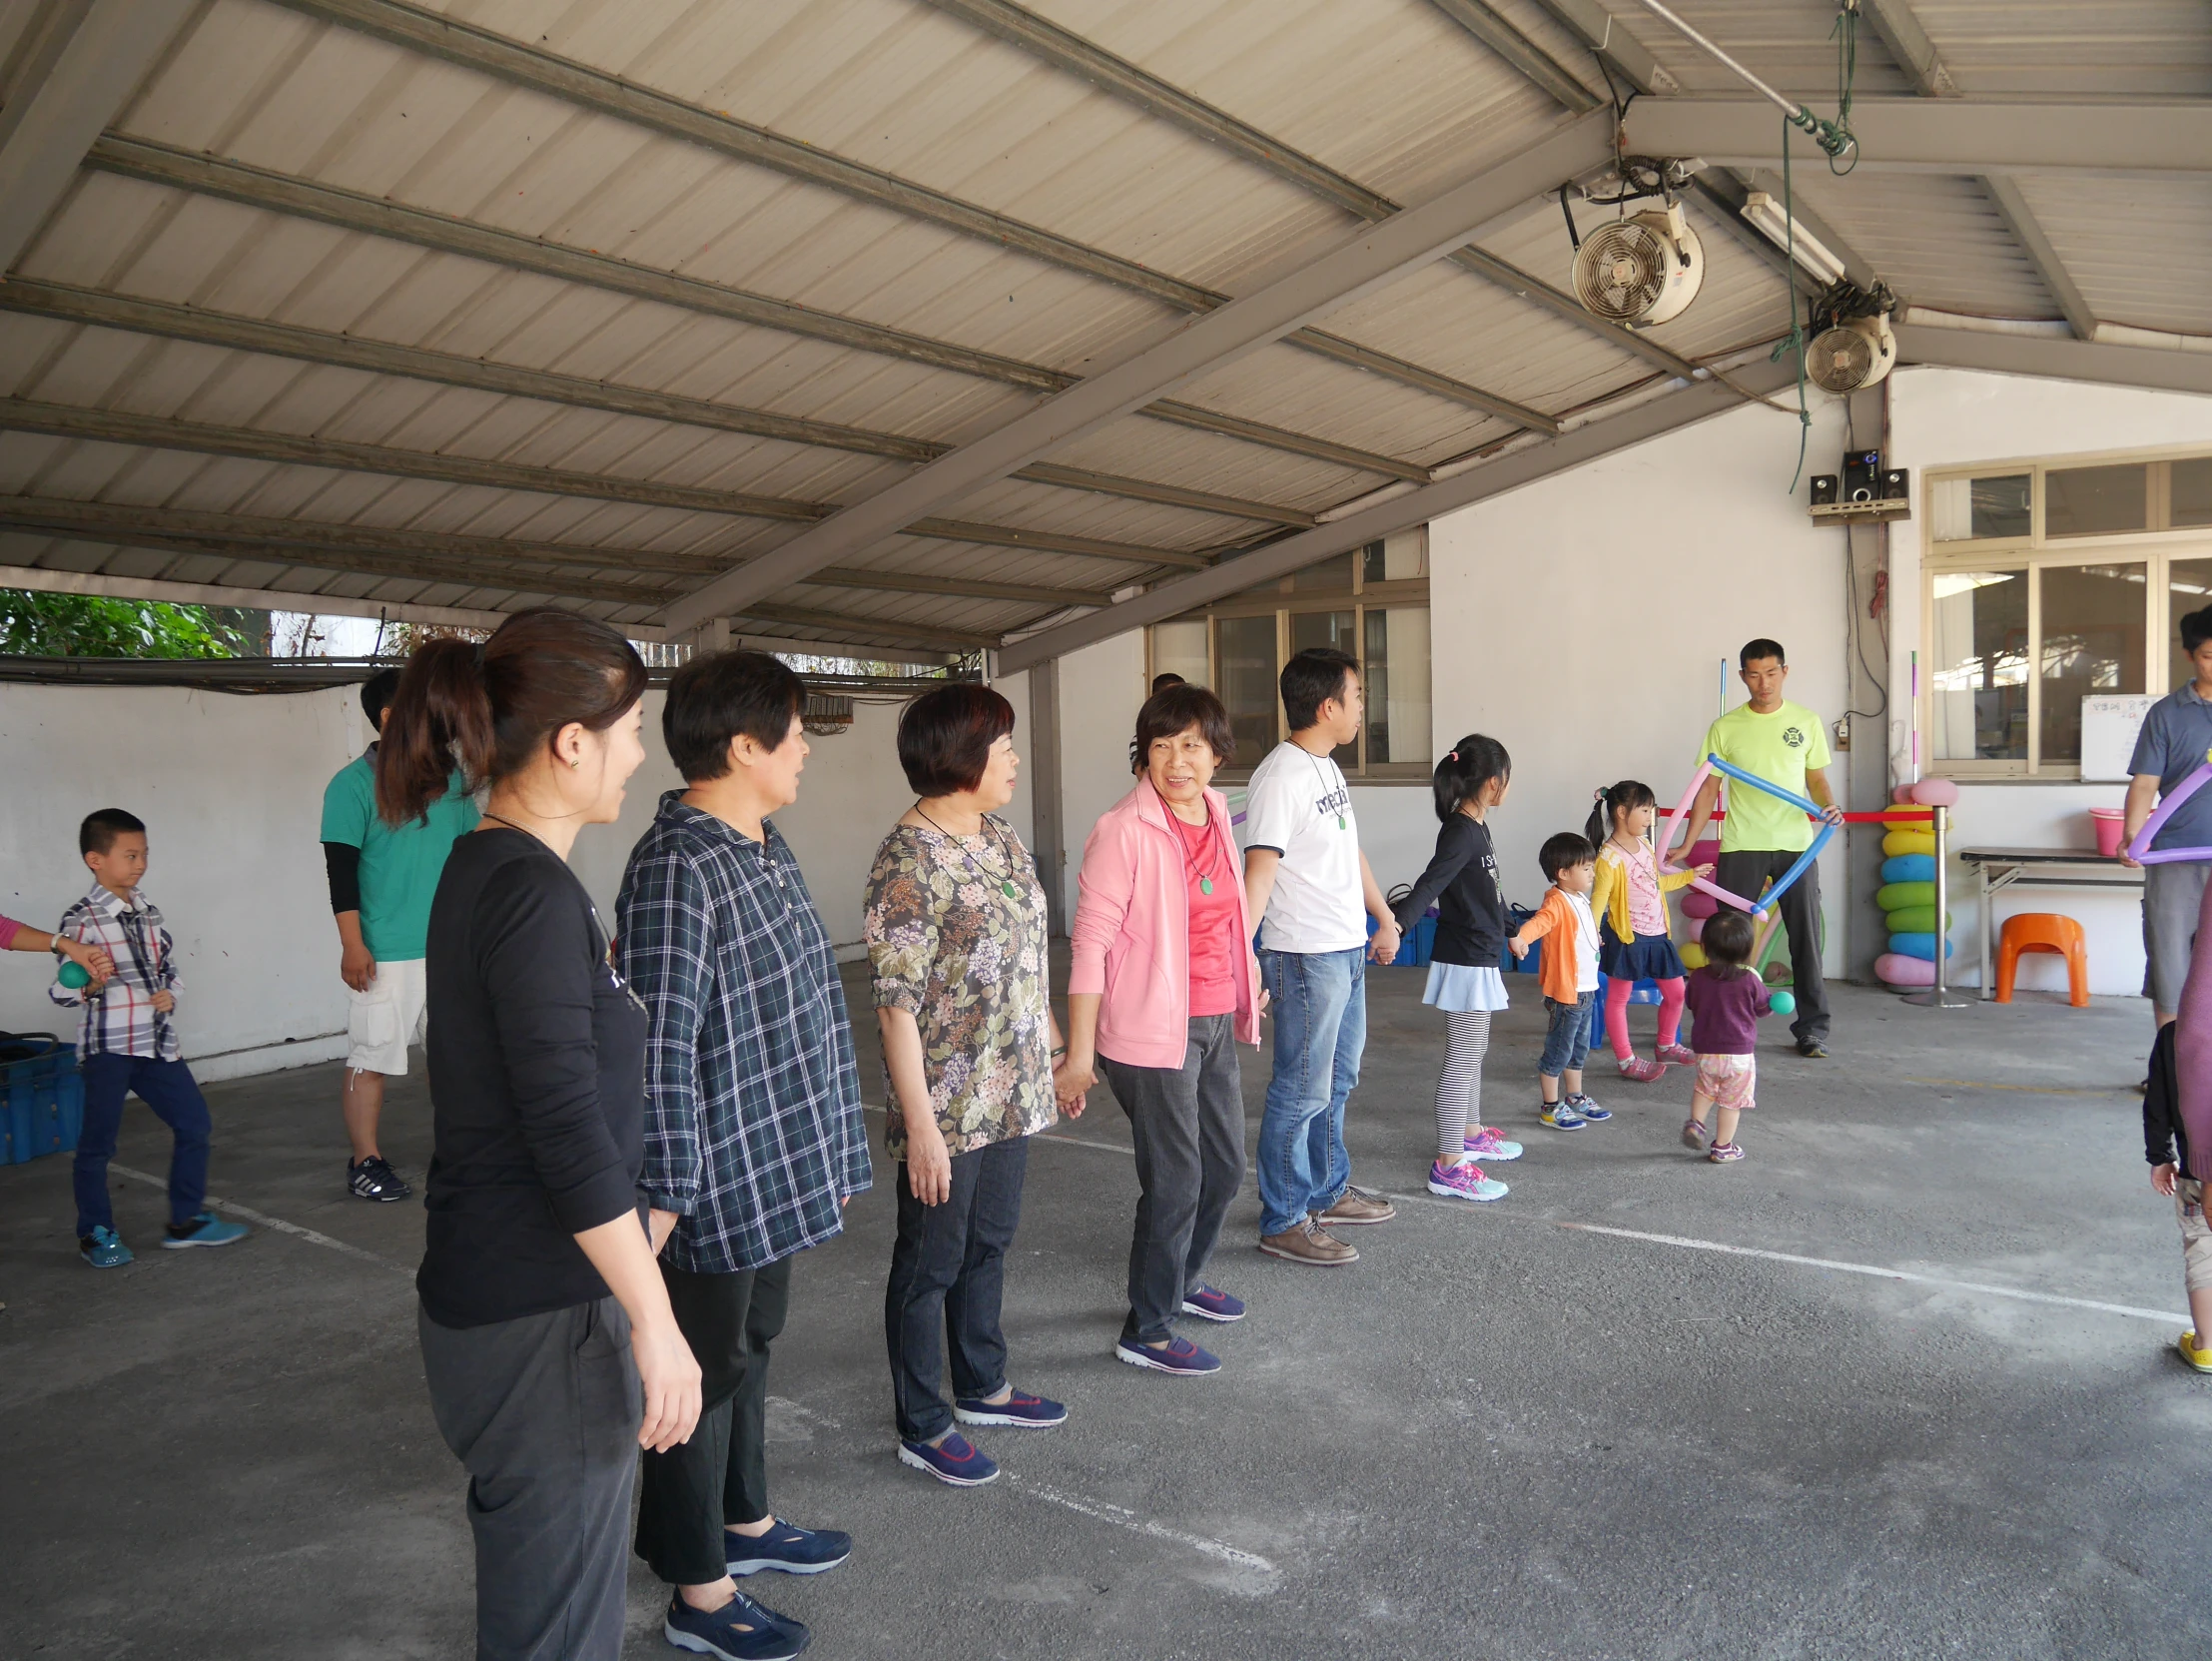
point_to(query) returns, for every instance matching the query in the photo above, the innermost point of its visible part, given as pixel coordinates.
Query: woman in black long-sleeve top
(547, 1339)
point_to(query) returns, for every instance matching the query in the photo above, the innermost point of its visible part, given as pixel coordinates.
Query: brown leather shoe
(1307, 1243)
(1357, 1206)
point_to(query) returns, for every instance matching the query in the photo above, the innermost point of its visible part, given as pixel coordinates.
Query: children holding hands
(1634, 941)
(1569, 978)
(1463, 970)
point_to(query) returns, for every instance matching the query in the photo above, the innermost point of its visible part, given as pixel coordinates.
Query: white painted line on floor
(275, 1222)
(1122, 1517)
(2027, 1090)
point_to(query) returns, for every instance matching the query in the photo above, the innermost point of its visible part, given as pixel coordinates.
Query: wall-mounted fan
(1851, 355)
(1645, 269)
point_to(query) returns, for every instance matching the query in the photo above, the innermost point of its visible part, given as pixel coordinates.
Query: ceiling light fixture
(1766, 215)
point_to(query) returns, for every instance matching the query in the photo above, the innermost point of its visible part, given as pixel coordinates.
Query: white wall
(1946, 418)
(1102, 688)
(1583, 621)
(231, 789)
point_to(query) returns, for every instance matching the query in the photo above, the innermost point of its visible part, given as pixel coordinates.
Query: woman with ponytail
(547, 1339)
(1634, 941)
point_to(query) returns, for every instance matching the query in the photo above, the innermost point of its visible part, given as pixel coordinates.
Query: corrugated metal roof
(1121, 222)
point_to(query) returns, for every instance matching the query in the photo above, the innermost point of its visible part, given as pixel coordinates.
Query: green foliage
(89, 625)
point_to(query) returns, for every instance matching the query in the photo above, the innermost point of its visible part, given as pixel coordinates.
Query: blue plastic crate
(42, 1105)
(1416, 946)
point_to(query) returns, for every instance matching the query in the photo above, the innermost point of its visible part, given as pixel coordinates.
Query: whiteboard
(2109, 723)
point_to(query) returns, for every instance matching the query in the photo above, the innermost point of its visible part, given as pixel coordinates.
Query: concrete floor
(1497, 1435)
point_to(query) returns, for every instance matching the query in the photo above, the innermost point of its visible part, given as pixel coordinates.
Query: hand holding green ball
(72, 975)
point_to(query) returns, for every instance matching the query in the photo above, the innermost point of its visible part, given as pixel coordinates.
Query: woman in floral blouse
(956, 934)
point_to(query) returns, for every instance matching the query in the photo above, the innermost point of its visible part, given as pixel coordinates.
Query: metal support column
(1047, 843)
(1939, 996)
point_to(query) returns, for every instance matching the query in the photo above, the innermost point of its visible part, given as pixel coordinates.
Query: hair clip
(1453, 756)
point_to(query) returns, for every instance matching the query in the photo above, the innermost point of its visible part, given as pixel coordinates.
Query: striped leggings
(1459, 1087)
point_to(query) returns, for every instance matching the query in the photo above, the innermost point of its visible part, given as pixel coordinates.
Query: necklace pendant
(1206, 885)
(1008, 889)
(1341, 821)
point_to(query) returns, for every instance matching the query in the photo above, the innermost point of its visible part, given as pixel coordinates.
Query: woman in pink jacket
(1162, 988)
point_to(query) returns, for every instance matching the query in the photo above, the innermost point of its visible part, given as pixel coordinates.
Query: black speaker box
(1861, 475)
(1823, 490)
(1897, 484)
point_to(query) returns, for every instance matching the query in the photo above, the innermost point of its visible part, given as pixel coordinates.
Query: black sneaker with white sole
(373, 1179)
(741, 1630)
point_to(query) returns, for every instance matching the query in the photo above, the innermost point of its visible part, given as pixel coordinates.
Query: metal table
(2003, 868)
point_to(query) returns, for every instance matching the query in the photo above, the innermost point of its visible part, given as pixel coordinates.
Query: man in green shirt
(1783, 742)
(381, 883)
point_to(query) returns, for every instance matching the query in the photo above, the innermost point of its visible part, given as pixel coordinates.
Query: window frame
(1280, 600)
(2155, 550)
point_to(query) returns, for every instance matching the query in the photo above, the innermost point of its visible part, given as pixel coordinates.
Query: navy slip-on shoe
(1029, 1413)
(741, 1630)
(1210, 1304)
(954, 1460)
(787, 1548)
(1181, 1357)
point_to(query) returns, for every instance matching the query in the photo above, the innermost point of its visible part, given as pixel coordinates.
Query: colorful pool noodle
(2193, 1046)
(1759, 907)
(2140, 848)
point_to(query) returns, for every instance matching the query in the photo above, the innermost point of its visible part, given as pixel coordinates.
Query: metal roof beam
(153, 431)
(1536, 65)
(1367, 261)
(1534, 460)
(78, 76)
(441, 233)
(909, 582)
(1900, 28)
(2054, 359)
(39, 580)
(954, 639)
(1946, 135)
(1613, 45)
(2012, 205)
(520, 65)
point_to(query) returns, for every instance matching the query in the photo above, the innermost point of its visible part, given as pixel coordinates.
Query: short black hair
(1175, 709)
(1310, 679)
(1727, 938)
(2196, 628)
(103, 825)
(1563, 851)
(1165, 680)
(944, 737)
(375, 695)
(1754, 650)
(713, 698)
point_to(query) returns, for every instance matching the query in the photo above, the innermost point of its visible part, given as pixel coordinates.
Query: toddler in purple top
(1725, 1000)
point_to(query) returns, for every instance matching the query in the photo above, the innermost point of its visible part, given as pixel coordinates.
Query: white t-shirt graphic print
(1299, 805)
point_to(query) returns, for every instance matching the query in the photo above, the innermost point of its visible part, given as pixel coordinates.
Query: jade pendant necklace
(1004, 879)
(1206, 883)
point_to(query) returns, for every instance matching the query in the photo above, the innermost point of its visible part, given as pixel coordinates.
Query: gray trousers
(543, 1413)
(1188, 1127)
(2172, 895)
(1746, 872)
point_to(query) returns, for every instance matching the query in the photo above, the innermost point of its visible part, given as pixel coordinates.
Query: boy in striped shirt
(128, 1044)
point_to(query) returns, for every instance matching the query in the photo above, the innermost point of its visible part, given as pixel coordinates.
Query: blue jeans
(1567, 1040)
(168, 1087)
(1319, 1005)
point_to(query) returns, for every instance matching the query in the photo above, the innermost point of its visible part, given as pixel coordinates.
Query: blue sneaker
(1210, 1304)
(1029, 1413)
(103, 1248)
(1464, 1180)
(954, 1460)
(1589, 1109)
(741, 1630)
(204, 1229)
(1559, 1116)
(788, 1549)
(1181, 1357)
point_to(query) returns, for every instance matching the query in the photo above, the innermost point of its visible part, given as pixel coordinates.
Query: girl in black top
(1463, 970)
(547, 1339)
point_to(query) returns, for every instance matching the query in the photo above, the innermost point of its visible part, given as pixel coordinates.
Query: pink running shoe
(1492, 1143)
(1464, 1182)
(1677, 1055)
(1642, 1071)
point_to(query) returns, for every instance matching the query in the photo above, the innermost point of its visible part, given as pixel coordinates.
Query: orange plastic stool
(2043, 930)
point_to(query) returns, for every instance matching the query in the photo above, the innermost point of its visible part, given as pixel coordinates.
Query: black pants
(689, 1494)
(543, 1413)
(947, 1271)
(1745, 872)
(1188, 1127)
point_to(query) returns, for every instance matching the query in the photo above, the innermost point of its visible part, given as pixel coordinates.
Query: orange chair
(2043, 930)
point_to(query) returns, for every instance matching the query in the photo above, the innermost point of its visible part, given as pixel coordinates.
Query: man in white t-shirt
(1306, 879)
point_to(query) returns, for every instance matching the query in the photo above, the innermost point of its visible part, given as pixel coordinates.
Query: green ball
(1781, 1003)
(72, 975)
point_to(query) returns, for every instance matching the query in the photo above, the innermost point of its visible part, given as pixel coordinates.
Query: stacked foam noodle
(1907, 895)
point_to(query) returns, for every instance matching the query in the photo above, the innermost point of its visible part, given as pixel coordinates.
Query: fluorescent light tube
(1767, 217)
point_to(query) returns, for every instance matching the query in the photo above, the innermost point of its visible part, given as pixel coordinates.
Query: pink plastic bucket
(2111, 823)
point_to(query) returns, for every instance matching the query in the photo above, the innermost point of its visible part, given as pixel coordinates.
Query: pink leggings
(1616, 991)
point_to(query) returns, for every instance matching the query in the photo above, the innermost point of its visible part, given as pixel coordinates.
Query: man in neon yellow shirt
(1783, 742)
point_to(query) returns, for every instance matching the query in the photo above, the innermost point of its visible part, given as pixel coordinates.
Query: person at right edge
(548, 1343)
(1785, 745)
(2177, 733)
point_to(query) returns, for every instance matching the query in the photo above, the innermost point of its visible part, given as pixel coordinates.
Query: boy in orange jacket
(1569, 978)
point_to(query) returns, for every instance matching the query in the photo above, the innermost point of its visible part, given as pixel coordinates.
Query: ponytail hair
(493, 708)
(1625, 797)
(1471, 763)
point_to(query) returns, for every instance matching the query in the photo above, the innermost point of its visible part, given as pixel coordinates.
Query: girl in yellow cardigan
(1633, 938)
